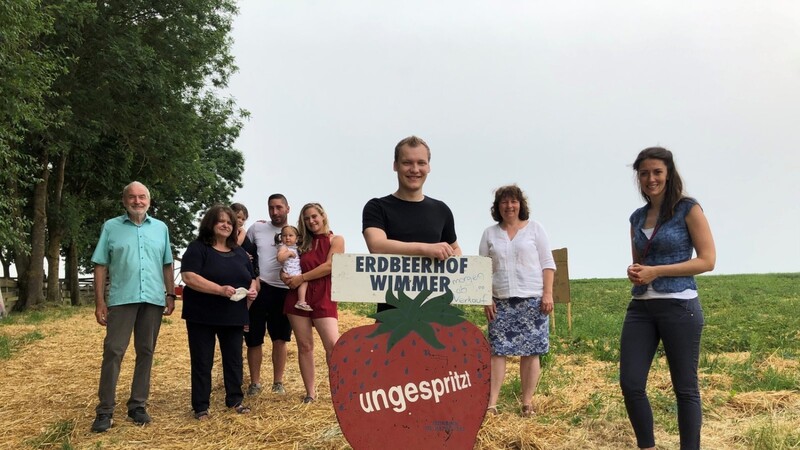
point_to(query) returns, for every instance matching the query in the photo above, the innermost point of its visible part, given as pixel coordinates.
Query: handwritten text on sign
(366, 278)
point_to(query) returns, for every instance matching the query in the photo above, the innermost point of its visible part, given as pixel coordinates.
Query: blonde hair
(305, 236)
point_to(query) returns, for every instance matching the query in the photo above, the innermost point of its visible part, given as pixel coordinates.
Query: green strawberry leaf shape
(416, 315)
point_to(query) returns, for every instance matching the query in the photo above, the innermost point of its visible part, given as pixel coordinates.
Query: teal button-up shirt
(135, 256)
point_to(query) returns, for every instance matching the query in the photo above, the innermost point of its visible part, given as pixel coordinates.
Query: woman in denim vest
(664, 234)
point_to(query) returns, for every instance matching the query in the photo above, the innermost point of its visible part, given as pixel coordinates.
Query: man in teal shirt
(135, 253)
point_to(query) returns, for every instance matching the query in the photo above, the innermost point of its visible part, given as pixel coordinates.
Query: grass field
(749, 374)
(751, 338)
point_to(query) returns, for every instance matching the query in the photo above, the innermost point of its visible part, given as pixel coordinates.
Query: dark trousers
(678, 324)
(202, 341)
(144, 321)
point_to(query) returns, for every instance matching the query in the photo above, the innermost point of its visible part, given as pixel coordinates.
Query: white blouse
(517, 263)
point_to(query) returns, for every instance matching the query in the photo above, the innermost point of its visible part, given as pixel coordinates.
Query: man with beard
(134, 251)
(266, 312)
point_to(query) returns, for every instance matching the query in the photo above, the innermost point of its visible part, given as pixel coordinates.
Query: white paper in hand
(239, 294)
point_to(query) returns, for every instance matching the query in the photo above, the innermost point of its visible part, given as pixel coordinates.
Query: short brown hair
(413, 142)
(279, 235)
(280, 197)
(511, 191)
(238, 207)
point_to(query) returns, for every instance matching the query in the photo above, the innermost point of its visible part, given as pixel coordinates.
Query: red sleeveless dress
(318, 294)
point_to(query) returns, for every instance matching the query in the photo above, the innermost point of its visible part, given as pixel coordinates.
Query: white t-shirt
(517, 263)
(262, 235)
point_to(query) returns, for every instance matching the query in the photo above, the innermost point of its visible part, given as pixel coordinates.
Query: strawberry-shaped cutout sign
(418, 379)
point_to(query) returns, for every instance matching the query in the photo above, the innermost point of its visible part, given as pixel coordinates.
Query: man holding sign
(407, 222)
(424, 382)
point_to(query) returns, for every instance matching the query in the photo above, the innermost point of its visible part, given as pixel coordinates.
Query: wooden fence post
(561, 292)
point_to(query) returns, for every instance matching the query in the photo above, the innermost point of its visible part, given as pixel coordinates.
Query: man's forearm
(169, 281)
(100, 284)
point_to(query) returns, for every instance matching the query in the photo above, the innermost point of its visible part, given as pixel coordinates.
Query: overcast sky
(558, 97)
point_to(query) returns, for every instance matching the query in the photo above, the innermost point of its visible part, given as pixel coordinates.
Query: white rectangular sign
(366, 278)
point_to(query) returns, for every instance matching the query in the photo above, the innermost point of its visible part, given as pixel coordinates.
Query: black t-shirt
(231, 268)
(251, 250)
(429, 221)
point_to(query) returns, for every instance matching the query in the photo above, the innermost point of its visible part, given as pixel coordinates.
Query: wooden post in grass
(561, 292)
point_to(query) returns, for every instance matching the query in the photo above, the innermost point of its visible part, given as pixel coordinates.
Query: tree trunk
(72, 274)
(53, 266)
(22, 258)
(67, 279)
(22, 262)
(55, 230)
(34, 276)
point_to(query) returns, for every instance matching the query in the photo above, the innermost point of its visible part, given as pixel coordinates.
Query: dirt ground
(48, 392)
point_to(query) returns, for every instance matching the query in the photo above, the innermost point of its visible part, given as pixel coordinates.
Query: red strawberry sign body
(419, 379)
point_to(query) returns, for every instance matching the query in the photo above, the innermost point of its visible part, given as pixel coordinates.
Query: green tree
(26, 73)
(139, 101)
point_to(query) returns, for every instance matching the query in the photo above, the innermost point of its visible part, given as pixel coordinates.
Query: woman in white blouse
(522, 292)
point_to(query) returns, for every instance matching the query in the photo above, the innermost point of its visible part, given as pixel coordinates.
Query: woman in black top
(218, 275)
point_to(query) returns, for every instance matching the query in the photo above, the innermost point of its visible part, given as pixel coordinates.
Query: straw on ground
(48, 394)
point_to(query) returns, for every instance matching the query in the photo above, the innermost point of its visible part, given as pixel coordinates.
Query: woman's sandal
(241, 409)
(304, 307)
(491, 411)
(308, 399)
(527, 411)
(202, 416)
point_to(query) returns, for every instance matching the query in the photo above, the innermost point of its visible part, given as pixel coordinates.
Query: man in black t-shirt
(407, 222)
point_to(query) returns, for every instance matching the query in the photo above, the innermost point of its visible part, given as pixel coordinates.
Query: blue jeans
(678, 324)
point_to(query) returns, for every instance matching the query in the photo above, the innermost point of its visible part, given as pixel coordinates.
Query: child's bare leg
(301, 292)
(301, 297)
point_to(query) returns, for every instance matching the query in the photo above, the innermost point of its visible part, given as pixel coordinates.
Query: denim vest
(671, 244)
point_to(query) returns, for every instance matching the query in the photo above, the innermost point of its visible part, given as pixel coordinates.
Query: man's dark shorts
(266, 315)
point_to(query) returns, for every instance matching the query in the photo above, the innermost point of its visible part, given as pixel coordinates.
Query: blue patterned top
(671, 244)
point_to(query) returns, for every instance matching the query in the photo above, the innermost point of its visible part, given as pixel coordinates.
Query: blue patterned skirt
(519, 328)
